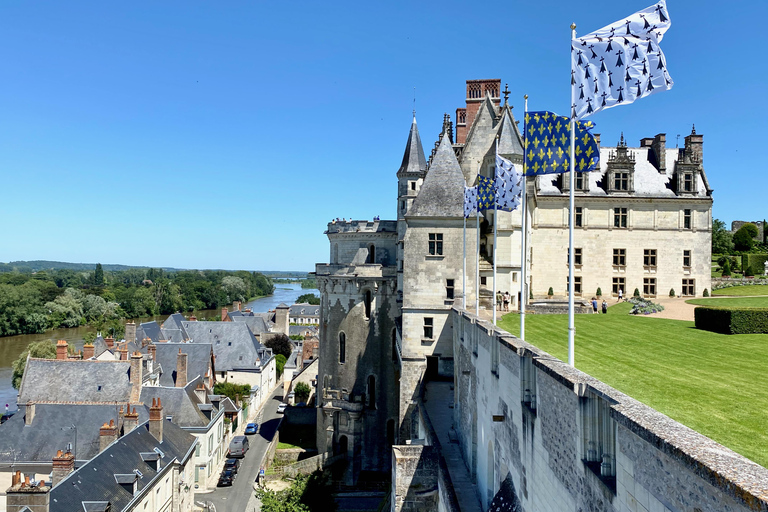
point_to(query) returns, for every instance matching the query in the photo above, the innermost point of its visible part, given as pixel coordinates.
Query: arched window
(371, 392)
(371, 254)
(342, 347)
(368, 298)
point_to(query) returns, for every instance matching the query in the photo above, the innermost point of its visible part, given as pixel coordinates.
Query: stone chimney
(107, 434)
(131, 420)
(122, 351)
(136, 376)
(23, 496)
(130, 332)
(89, 351)
(695, 144)
(152, 350)
(236, 305)
(156, 419)
(201, 393)
(63, 464)
(110, 341)
(282, 320)
(224, 317)
(658, 154)
(29, 413)
(181, 370)
(61, 350)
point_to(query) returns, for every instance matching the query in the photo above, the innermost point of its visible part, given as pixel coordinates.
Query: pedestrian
(621, 294)
(498, 300)
(594, 304)
(506, 301)
(605, 307)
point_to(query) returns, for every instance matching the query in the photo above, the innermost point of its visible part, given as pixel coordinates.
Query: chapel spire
(413, 159)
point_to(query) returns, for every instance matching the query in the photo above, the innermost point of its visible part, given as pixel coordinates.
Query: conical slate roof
(510, 142)
(413, 159)
(442, 193)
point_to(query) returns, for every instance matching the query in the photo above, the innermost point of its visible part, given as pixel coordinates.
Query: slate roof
(99, 346)
(51, 380)
(181, 404)
(167, 355)
(510, 140)
(304, 309)
(51, 431)
(234, 345)
(149, 330)
(95, 480)
(303, 330)
(648, 182)
(256, 324)
(442, 193)
(413, 158)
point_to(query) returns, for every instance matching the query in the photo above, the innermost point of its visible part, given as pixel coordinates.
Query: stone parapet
(364, 226)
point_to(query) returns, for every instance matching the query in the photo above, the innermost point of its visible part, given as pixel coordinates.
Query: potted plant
(550, 293)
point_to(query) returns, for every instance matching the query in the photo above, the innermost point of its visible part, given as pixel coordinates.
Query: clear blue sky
(200, 134)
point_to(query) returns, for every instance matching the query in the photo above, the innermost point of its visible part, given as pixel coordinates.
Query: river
(12, 346)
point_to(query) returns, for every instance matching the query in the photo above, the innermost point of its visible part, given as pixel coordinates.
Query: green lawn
(736, 302)
(750, 289)
(713, 383)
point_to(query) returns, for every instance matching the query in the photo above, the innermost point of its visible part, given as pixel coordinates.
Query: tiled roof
(234, 346)
(413, 158)
(167, 355)
(47, 380)
(442, 193)
(181, 404)
(304, 310)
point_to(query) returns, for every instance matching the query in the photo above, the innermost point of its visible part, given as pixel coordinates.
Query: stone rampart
(561, 440)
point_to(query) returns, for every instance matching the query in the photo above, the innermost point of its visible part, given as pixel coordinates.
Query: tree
(309, 298)
(302, 392)
(726, 268)
(280, 361)
(98, 275)
(722, 239)
(308, 493)
(743, 239)
(280, 344)
(40, 349)
(231, 390)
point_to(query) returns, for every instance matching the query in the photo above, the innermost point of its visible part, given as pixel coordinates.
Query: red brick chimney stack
(476, 92)
(156, 419)
(152, 350)
(110, 341)
(61, 350)
(131, 420)
(107, 434)
(63, 464)
(89, 351)
(224, 316)
(181, 370)
(193, 318)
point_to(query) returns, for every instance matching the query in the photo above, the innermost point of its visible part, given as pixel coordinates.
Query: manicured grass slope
(712, 383)
(741, 291)
(732, 302)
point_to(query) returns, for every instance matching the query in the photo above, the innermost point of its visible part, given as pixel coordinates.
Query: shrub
(706, 293)
(726, 268)
(672, 292)
(599, 292)
(643, 306)
(301, 391)
(636, 293)
(732, 320)
(743, 239)
(550, 292)
(530, 294)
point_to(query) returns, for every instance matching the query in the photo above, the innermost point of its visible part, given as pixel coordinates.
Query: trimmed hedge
(732, 320)
(754, 261)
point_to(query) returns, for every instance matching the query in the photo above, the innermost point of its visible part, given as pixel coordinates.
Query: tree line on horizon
(33, 302)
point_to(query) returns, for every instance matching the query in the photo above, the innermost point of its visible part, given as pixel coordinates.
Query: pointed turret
(510, 141)
(442, 193)
(413, 159)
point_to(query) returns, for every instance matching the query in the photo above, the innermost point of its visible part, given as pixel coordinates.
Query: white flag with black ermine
(620, 63)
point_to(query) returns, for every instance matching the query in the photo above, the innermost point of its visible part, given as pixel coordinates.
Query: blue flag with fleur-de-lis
(486, 195)
(548, 144)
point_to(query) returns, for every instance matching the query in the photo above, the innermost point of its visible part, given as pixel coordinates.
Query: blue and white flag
(470, 201)
(620, 63)
(507, 185)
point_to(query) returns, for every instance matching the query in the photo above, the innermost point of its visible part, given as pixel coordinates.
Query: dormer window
(688, 182)
(621, 181)
(581, 181)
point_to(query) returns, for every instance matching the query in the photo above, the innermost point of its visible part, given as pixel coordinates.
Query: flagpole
(495, 224)
(571, 328)
(477, 260)
(523, 229)
(464, 273)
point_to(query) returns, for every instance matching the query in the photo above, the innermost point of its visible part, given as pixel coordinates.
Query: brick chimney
(107, 434)
(200, 392)
(131, 420)
(224, 317)
(29, 413)
(122, 351)
(193, 318)
(476, 92)
(63, 464)
(156, 419)
(61, 350)
(23, 496)
(136, 376)
(110, 341)
(181, 370)
(152, 350)
(130, 332)
(89, 351)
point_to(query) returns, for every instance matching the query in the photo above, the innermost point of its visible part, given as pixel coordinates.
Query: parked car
(281, 407)
(226, 478)
(251, 428)
(232, 465)
(238, 446)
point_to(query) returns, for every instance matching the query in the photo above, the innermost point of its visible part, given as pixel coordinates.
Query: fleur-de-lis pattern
(548, 144)
(631, 43)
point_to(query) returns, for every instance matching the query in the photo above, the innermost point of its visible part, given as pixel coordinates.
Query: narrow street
(236, 498)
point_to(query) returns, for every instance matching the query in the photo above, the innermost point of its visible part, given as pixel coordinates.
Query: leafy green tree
(307, 493)
(726, 266)
(722, 239)
(40, 349)
(67, 309)
(280, 344)
(98, 275)
(280, 361)
(743, 239)
(302, 392)
(231, 390)
(309, 298)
